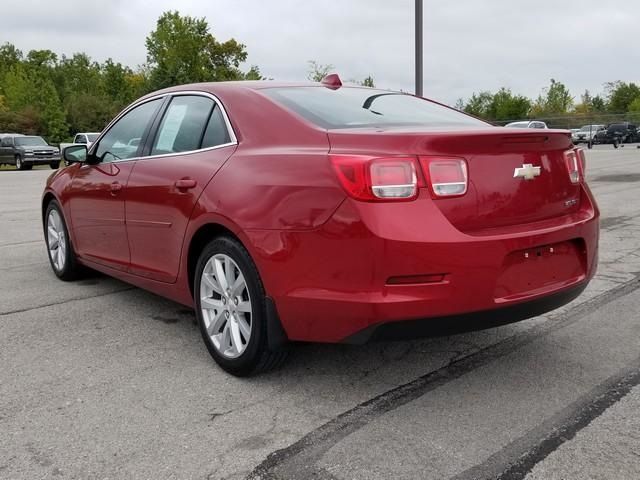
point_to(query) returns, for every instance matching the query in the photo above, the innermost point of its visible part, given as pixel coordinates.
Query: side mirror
(75, 154)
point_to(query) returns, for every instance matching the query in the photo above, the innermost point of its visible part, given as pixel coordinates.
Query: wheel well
(203, 236)
(46, 201)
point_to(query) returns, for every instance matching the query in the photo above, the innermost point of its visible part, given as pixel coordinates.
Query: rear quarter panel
(278, 179)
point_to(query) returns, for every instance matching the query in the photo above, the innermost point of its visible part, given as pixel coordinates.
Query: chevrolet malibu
(324, 213)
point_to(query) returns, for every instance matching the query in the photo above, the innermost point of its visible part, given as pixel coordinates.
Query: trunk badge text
(527, 171)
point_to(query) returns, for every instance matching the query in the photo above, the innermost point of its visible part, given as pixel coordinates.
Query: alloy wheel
(226, 306)
(56, 240)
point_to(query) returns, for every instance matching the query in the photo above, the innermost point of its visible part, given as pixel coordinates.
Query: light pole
(419, 47)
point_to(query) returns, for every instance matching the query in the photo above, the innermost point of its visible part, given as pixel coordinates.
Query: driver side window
(122, 141)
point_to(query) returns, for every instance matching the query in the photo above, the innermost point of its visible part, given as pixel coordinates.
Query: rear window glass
(359, 107)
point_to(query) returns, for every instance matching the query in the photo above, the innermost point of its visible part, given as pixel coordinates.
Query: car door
(192, 141)
(98, 189)
(6, 149)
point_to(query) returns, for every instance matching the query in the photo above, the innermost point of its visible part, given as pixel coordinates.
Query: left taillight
(377, 179)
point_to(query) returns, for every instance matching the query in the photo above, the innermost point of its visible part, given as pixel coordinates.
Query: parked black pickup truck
(25, 151)
(618, 133)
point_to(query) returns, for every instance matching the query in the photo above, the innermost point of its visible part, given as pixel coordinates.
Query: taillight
(573, 165)
(371, 178)
(448, 177)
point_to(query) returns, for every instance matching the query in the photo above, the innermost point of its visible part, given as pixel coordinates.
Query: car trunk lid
(503, 188)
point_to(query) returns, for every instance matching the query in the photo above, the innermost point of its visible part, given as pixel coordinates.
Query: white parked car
(527, 124)
(81, 139)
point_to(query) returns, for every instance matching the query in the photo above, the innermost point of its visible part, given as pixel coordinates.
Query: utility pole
(419, 48)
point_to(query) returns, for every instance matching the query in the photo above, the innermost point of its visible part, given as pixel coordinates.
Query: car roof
(218, 88)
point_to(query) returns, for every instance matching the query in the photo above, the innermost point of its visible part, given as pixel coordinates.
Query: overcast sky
(470, 45)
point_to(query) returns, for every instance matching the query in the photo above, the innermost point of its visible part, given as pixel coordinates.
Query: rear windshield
(362, 107)
(30, 142)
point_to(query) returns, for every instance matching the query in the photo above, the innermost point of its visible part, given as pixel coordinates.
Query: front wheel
(54, 165)
(19, 163)
(230, 304)
(61, 255)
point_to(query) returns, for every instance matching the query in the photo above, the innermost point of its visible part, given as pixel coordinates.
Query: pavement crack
(516, 460)
(69, 300)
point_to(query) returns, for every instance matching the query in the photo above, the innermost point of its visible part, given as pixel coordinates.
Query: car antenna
(332, 81)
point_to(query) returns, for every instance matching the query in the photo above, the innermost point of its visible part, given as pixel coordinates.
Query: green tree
(29, 92)
(253, 74)
(598, 104)
(182, 50)
(479, 104)
(621, 95)
(555, 99)
(10, 56)
(368, 82)
(318, 71)
(635, 106)
(507, 106)
(586, 103)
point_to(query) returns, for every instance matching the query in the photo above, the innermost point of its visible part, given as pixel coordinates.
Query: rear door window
(183, 125)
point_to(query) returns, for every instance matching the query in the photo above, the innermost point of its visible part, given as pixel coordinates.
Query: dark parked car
(25, 151)
(618, 133)
(296, 212)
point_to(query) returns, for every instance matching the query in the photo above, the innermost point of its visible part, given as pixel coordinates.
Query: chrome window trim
(216, 100)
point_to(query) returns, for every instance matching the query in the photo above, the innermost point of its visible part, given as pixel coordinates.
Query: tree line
(556, 105)
(42, 93)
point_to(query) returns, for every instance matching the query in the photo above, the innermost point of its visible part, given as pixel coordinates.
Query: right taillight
(573, 165)
(448, 177)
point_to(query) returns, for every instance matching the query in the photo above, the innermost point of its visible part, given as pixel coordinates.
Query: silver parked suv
(587, 134)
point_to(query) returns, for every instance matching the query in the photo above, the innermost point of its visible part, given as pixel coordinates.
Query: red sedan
(324, 213)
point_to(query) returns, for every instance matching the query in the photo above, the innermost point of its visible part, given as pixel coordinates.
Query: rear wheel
(61, 255)
(230, 306)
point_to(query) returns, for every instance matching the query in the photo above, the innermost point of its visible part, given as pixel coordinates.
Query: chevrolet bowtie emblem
(527, 171)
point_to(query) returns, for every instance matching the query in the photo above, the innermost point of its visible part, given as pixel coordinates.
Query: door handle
(116, 187)
(186, 184)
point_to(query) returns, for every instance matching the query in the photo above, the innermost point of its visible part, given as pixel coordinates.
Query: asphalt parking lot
(102, 380)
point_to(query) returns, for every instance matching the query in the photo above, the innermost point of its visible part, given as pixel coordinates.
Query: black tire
(19, 163)
(71, 270)
(54, 165)
(28, 166)
(257, 357)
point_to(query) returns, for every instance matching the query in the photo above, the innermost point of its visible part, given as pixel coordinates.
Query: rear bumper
(332, 284)
(466, 322)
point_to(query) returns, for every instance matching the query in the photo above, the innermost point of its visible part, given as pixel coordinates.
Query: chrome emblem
(527, 171)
